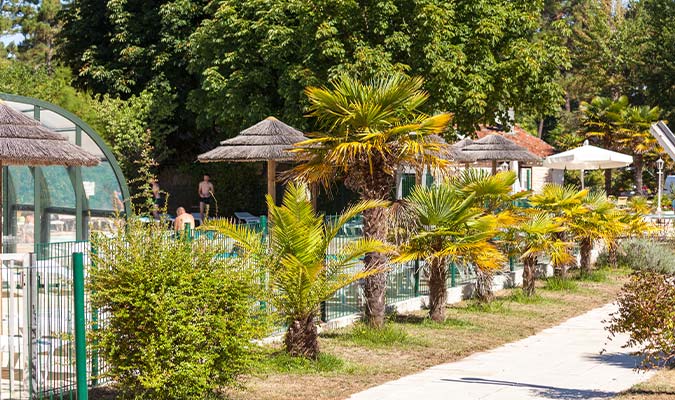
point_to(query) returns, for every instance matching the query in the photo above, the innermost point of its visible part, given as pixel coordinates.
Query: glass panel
(25, 227)
(22, 180)
(101, 188)
(59, 186)
(54, 121)
(89, 145)
(27, 109)
(102, 225)
(61, 227)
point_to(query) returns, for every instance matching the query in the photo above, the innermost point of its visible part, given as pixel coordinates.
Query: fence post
(94, 327)
(263, 225)
(512, 263)
(32, 327)
(417, 277)
(453, 275)
(80, 327)
(324, 312)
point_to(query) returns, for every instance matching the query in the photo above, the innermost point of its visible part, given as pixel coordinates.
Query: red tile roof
(521, 138)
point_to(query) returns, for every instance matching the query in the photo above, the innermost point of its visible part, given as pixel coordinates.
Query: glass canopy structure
(56, 203)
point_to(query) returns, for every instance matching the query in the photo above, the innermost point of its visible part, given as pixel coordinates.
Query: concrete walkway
(563, 362)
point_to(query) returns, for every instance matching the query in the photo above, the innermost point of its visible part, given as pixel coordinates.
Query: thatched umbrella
(24, 141)
(497, 148)
(269, 140)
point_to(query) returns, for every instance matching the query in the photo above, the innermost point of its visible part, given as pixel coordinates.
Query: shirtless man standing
(205, 194)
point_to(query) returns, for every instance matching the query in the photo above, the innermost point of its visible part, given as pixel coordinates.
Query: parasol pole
(582, 180)
(494, 167)
(271, 179)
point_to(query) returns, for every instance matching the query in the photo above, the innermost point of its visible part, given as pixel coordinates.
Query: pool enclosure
(56, 203)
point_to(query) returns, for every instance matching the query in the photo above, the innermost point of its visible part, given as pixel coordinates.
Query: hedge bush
(642, 255)
(179, 320)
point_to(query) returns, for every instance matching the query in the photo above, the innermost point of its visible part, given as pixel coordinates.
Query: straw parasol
(24, 141)
(269, 140)
(497, 148)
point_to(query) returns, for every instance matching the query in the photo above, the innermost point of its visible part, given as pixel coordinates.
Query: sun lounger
(247, 218)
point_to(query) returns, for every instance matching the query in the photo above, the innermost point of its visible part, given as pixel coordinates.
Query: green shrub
(647, 314)
(179, 320)
(558, 284)
(644, 255)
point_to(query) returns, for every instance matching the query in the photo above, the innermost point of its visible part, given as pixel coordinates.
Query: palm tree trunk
(613, 250)
(302, 338)
(438, 292)
(529, 277)
(637, 167)
(484, 291)
(375, 286)
(608, 181)
(585, 247)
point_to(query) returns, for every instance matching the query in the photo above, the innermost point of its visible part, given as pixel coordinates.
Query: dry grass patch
(414, 343)
(660, 387)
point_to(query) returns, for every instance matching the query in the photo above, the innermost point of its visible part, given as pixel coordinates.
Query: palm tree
(365, 132)
(564, 203)
(636, 139)
(600, 221)
(451, 229)
(300, 272)
(601, 119)
(535, 236)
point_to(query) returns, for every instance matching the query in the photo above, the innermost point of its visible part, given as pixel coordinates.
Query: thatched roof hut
(24, 141)
(497, 148)
(269, 140)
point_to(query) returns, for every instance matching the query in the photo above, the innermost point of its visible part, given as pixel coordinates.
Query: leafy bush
(642, 254)
(647, 314)
(179, 319)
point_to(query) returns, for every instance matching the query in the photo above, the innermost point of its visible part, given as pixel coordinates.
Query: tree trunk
(608, 181)
(438, 292)
(612, 250)
(568, 103)
(637, 167)
(375, 286)
(585, 247)
(529, 276)
(484, 291)
(302, 338)
(540, 128)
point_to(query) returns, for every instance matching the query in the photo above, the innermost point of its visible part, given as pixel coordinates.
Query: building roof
(520, 137)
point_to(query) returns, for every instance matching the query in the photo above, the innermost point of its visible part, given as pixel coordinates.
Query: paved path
(563, 362)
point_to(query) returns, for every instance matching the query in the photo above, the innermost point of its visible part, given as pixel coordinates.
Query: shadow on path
(549, 392)
(622, 360)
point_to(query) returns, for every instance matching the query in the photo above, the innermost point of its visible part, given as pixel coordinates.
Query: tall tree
(367, 130)
(36, 22)
(479, 58)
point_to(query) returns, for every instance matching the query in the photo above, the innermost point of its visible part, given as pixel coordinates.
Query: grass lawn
(660, 387)
(356, 358)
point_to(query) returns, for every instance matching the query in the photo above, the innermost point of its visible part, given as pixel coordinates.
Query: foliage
(479, 58)
(179, 320)
(367, 131)
(452, 226)
(643, 255)
(647, 313)
(284, 363)
(387, 336)
(302, 272)
(37, 23)
(557, 283)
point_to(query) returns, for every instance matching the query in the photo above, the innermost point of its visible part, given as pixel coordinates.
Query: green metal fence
(39, 307)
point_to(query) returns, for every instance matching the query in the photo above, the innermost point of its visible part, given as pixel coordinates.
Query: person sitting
(183, 218)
